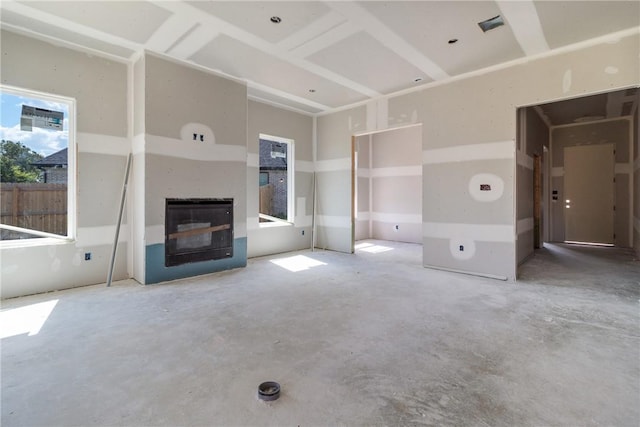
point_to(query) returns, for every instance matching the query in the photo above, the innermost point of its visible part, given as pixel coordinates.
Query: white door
(589, 193)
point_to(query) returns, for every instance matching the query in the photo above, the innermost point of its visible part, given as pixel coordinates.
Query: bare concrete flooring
(365, 339)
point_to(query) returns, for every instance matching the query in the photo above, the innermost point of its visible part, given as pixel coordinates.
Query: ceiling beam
(361, 17)
(524, 22)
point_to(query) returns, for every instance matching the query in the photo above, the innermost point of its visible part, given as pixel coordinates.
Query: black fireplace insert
(198, 230)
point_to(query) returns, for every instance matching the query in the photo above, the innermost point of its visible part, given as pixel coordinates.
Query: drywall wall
(136, 188)
(617, 132)
(270, 238)
(99, 87)
(181, 101)
(533, 136)
(636, 179)
(333, 177)
(396, 185)
(468, 140)
(363, 188)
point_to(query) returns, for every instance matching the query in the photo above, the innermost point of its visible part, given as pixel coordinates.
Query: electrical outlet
(87, 256)
(461, 248)
(396, 227)
(303, 232)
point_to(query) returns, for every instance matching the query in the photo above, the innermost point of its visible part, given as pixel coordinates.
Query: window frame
(290, 144)
(43, 236)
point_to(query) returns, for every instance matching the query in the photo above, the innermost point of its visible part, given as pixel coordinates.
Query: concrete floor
(365, 339)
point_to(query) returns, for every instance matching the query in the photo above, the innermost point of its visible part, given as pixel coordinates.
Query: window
(37, 158)
(276, 179)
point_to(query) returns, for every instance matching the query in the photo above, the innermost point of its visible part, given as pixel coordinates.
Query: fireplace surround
(198, 230)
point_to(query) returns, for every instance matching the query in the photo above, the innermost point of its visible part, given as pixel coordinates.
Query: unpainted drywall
(396, 185)
(636, 178)
(180, 101)
(363, 216)
(99, 87)
(615, 132)
(136, 188)
(178, 94)
(270, 238)
(533, 134)
(469, 130)
(333, 177)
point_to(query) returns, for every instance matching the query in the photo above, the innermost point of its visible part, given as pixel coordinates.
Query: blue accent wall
(156, 271)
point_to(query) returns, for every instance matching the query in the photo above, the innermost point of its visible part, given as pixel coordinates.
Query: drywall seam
(303, 166)
(333, 165)
(396, 171)
(279, 105)
(524, 225)
(102, 235)
(364, 172)
(103, 144)
(477, 232)
(364, 216)
(391, 129)
(524, 160)
(396, 218)
(253, 160)
(334, 221)
(461, 153)
(608, 38)
(525, 23)
(201, 151)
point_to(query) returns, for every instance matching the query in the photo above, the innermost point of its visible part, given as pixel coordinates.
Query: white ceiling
(322, 55)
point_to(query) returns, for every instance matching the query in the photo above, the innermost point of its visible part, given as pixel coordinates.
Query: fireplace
(198, 230)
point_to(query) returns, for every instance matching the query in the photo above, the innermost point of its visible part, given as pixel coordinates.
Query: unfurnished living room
(310, 213)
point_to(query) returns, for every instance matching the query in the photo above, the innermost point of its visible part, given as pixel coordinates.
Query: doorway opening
(575, 172)
(387, 187)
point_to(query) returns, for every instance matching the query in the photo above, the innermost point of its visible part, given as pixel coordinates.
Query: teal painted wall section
(156, 271)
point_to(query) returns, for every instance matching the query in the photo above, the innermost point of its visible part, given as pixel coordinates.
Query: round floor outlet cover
(269, 390)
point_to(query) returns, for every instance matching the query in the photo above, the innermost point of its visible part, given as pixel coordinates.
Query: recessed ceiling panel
(429, 25)
(131, 20)
(567, 22)
(236, 58)
(363, 59)
(38, 27)
(278, 100)
(255, 16)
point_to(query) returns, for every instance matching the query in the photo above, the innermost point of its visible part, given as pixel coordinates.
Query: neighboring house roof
(267, 161)
(58, 158)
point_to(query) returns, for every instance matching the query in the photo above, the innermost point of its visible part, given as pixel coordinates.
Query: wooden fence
(36, 206)
(266, 199)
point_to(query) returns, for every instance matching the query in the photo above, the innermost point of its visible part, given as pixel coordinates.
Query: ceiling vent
(491, 23)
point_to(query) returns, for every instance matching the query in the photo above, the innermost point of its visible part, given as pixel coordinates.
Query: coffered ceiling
(322, 55)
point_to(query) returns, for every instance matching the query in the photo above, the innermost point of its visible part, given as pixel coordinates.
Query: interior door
(589, 193)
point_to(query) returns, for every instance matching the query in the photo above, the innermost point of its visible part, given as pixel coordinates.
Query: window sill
(275, 224)
(25, 243)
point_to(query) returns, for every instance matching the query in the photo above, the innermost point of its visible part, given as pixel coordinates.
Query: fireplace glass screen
(198, 230)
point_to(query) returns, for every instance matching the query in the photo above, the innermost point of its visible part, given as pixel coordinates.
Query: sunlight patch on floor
(371, 248)
(25, 320)
(297, 263)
